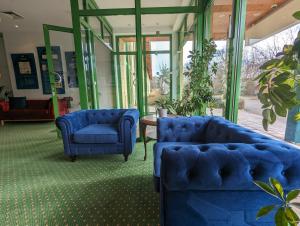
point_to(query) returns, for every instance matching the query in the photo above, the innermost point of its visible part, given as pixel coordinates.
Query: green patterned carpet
(39, 186)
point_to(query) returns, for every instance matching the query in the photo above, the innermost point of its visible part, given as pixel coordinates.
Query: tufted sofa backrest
(219, 130)
(231, 166)
(182, 129)
(105, 116)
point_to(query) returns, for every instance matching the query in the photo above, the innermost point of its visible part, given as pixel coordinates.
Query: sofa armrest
(228, 166)
(127, 127)
(181, 129)
(70, 123)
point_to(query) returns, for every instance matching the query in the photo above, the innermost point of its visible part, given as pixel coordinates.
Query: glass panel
(261, 44)
(107, 37)
(220, 21)
(87, 66)
(127, 44)
(158, 78)
(128, 80)
(95, 24)
(68, 62)
(103, 58)
(160, 43)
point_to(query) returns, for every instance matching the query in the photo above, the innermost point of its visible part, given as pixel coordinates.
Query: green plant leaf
(266, 114)
(297, 15)
(292, 195)
(281, 111)
(277, 187)
(270, 64)
(265, 187)
(297, 117)
(272, 116)
(280, 218)
(264, 211)
(291, 216)
(265, 123)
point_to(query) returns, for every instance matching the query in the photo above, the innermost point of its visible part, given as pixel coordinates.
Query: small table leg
(144, 128)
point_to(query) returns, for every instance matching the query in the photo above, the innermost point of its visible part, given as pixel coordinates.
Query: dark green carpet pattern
(39, 186)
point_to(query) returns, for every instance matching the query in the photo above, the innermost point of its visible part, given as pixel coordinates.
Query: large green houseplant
(278, 81)
(198, 91)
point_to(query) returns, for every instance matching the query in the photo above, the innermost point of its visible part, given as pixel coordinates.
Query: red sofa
(35, 110)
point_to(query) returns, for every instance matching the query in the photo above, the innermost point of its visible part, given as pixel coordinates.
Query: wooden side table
(149, 120)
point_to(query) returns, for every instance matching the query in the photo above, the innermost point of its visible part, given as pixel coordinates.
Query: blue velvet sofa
(109, 131)
(205, 167)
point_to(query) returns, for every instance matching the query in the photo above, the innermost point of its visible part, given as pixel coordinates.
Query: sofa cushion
(157, 151)
(17, 102)
(97, 134)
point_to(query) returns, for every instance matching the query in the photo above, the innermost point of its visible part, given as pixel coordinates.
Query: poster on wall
(71, 69)
(25, 71)
(58, 69)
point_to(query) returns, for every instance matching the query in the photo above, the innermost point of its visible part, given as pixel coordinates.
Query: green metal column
(200, 26)
(235, 57)
(199, 39)
(79, 55)
(118, 77)
(51, 70)
(139, 58)
(207, 21)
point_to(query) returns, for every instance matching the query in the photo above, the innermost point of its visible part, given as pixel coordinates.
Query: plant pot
(163, 112)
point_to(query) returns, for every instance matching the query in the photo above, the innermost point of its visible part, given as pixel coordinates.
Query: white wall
(27, 42)
(104, 74)
(4, 73)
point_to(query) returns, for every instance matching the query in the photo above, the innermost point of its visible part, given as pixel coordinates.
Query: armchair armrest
(182, 129)
(127, 127)
(132, 115)
(70, 123)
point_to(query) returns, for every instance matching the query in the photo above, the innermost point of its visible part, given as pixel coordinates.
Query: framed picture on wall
(58, 69)
(71, 69)
(25, 70)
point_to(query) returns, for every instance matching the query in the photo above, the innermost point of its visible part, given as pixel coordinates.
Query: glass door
(127, 71)
(157, 70)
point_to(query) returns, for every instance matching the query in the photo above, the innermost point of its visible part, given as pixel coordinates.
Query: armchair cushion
(97, 134)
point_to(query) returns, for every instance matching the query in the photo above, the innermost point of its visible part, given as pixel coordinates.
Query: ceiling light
(16, 26)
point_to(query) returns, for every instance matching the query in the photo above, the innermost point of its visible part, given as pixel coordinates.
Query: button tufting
(283, 173)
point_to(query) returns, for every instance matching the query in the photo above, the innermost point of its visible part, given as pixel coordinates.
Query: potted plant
(285, 214)
(278, 81)
(198, 92)
(162, 106)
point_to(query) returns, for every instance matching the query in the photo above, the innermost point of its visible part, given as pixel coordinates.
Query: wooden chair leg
(73, 158)
(126, 158)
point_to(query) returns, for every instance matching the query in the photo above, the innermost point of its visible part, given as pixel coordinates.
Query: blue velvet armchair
(109, 131)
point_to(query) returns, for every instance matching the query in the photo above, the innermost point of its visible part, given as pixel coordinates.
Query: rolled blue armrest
(132, 115)
(68, 124)
(127, 126)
